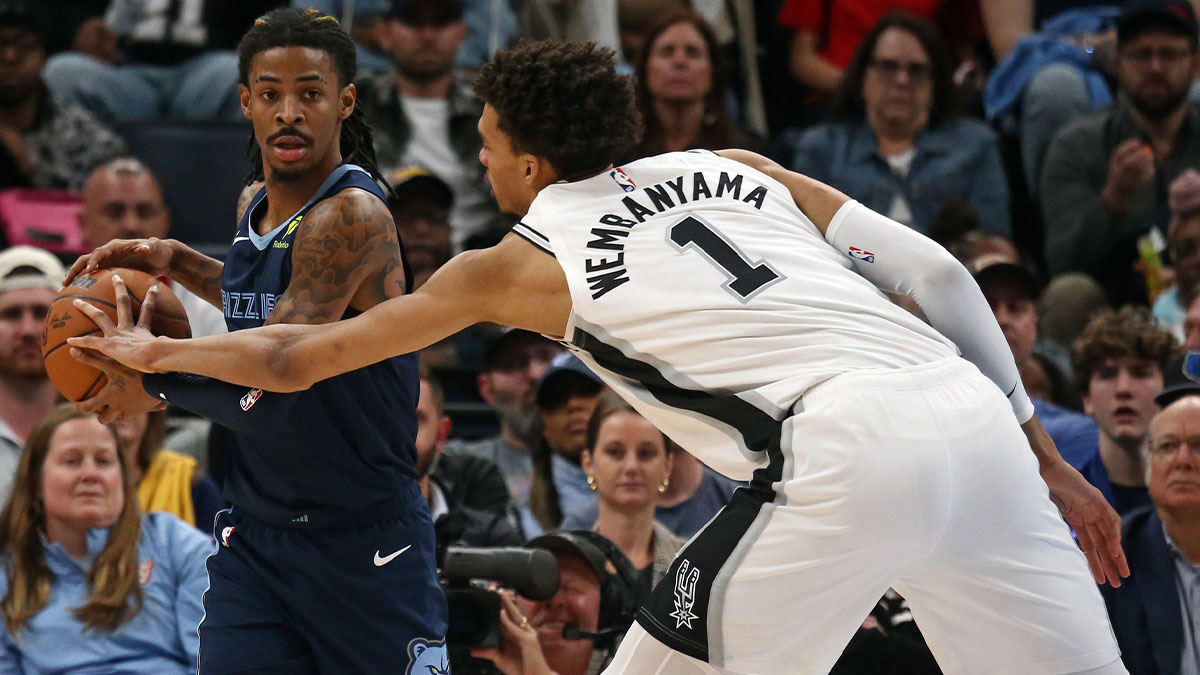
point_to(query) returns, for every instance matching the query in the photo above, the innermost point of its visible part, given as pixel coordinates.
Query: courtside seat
(202, 168)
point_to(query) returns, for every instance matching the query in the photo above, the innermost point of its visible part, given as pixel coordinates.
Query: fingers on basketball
(75, 380)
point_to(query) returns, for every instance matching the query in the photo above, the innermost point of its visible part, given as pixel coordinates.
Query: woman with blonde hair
(90, 583)
(628, 464)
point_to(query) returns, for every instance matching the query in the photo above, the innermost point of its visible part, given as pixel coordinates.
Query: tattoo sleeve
(346, 254)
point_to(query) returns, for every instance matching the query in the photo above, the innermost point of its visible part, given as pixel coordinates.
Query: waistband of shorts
(407, 496)
(918, 376)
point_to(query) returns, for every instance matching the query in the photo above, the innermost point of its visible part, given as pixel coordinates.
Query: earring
(591, 482)
(662, 489)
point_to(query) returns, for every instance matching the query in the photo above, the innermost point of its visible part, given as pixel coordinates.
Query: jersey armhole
(539, 240)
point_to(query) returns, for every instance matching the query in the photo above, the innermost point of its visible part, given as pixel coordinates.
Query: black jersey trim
(756, 427)
(530, 236)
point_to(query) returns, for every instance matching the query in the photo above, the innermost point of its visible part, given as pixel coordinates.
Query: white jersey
(706, 298)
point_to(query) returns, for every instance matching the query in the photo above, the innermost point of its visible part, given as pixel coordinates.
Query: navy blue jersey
(340, 447)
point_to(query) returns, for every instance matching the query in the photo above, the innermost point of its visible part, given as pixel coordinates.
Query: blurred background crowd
(1052, 145)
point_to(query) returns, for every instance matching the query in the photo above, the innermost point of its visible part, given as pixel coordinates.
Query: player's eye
(312, 94)
(269, 95)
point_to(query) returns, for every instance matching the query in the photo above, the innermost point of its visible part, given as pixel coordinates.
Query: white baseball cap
(29, 267)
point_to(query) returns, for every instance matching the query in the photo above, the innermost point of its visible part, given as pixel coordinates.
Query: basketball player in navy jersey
(325, 562)
(740, 307)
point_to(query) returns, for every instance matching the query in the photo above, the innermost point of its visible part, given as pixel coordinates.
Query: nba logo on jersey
(623, 180)
(249, 399)
(860, 254)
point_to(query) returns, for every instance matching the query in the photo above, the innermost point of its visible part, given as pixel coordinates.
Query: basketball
(77, 381)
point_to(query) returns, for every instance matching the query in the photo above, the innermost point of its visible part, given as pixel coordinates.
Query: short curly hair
(1113, 334)
(564, 102)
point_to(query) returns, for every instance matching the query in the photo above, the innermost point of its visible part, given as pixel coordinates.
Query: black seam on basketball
(47, 354)
(89, 389)
(94, 299)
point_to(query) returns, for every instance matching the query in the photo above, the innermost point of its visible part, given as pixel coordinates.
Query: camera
(468, 576)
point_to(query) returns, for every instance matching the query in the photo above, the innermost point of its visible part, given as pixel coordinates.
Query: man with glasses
(1154, 613)
(1104, 184)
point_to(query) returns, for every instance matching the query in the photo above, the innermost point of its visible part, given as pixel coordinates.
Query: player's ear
(349, 99)
(244, 96)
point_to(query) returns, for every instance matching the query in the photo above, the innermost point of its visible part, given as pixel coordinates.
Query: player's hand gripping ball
(77, 381)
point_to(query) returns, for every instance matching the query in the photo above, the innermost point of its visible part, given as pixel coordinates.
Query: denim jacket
(957, 160)
(160, 640)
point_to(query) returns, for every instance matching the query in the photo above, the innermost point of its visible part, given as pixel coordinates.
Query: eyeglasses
(1168, 447)
(1167, 55)
(890, 69)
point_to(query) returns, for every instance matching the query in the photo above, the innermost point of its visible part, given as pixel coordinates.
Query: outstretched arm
(908, 263)
(512, 283)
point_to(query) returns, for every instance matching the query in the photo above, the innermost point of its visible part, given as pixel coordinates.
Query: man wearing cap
(513, 362)
(574, 632)
(566, 396)
(1154, 613)
(29, 279)
(421, 208)
(1119, 361)
(1105, 178)
(423, 113)
(44, 144)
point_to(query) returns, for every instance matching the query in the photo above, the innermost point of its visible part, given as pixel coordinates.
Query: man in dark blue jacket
(1154, 612)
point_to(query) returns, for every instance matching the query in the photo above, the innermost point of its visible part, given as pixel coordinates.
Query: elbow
(283, 375)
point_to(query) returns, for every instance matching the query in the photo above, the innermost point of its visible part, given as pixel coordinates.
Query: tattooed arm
(346, 254)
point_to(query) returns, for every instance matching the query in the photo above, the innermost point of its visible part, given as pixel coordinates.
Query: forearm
(1005, 22)
(247, 411)
(1040, 442)
(811, 68)
(197, 272)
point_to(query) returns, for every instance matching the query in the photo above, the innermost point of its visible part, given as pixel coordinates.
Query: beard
(1158, 107)
(424, 72)
(524, 421)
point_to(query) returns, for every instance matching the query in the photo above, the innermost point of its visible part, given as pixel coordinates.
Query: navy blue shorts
(360, 599)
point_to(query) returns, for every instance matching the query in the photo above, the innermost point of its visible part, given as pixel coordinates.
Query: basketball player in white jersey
(740, 307)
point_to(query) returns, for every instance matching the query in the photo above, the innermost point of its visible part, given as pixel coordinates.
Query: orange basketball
(77, 381)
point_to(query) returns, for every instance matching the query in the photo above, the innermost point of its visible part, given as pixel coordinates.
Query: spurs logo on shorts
(685, 594)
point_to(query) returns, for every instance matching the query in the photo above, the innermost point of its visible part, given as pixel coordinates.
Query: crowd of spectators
(1053, 146)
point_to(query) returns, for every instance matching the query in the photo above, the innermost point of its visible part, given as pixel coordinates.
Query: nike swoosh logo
(380, 561)
(237, 239)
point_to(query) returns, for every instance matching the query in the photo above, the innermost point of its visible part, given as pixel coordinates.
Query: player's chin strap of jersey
(911, 264)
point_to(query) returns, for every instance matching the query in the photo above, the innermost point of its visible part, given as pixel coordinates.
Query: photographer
(576, 631)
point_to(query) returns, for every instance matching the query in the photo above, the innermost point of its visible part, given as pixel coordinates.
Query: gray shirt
(514, 462)
(1187, 580)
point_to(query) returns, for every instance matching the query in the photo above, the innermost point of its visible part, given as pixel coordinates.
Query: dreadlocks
(291, 27)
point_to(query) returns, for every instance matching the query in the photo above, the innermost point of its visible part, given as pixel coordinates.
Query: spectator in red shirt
(823, 45)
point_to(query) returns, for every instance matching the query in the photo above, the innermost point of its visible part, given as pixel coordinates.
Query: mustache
(290, 131)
